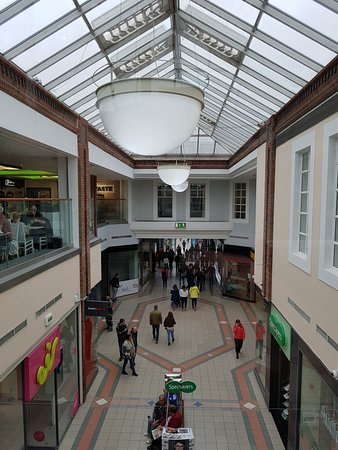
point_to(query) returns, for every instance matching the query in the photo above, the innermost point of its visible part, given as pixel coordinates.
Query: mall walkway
(227, 410)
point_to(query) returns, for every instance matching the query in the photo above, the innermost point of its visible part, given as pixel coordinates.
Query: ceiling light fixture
(181, 187)
(173, 174)
(150, 116)
(9, 167)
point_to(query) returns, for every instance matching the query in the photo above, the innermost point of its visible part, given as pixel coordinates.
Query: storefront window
(260, 331)
(41, 427)
(236, 276)
(318, 427)
(67, 374)
(11, 411)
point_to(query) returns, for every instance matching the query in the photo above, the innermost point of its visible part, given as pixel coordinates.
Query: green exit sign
(180, 225)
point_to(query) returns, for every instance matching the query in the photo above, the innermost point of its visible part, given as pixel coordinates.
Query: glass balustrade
(111, 211)
(31, 227)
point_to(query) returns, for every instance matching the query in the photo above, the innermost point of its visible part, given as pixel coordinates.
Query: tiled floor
(227, 410)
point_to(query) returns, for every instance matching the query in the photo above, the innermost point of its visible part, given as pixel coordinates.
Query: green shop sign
(277, 330)
(280, 329)
(183, 386)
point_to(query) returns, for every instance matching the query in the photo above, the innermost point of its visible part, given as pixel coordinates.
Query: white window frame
(206, 202)
(327, 272)
(299, 147)
(156, 216)
(232, 202)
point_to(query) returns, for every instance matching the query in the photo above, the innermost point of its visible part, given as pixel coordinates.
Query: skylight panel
(51, 45)
(103, 8)
(86, 106)
(255, 96)
(205, 70)
(71, 61)
(239, 9)
(208, 56)
(271, 75)
(5, 3)
(236, 98)
(37, 16)
(312, 14)
(264, 87)
(295, 40)
(271, 54)
(80, 95)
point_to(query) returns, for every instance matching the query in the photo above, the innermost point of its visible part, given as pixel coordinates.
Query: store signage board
(95, 308)
(41, 362)
(280, 330)
(183, 386)
(180, 225)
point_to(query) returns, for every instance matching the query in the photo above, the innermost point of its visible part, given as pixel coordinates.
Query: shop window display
(318, 418)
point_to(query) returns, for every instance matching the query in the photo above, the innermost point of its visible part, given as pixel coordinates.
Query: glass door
(40, 413)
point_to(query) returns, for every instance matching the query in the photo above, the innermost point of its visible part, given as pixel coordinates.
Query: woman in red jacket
(239, 336)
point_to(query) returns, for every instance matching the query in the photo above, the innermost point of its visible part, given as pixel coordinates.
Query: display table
(184, 436)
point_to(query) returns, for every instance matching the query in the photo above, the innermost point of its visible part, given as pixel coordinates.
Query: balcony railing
(31, 227)
(111, 211)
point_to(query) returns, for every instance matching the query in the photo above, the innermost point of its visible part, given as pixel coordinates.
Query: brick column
(84, 240)
(270, 168)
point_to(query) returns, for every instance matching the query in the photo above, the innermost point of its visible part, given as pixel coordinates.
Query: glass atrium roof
(249, 56)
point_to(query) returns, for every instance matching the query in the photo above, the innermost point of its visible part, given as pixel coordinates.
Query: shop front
(280, 331)
(40, 397)
(51, 386)
(318, 413)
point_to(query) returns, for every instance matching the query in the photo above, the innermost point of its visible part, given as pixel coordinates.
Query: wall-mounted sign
(41, 362)
(96, 308)
(280, 330)
(180, 225)
(106, 189)
(183, 386)
(277, 330)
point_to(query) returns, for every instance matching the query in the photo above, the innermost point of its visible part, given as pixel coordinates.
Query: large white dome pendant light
(173, 174)
(149, 116)
(181, 187)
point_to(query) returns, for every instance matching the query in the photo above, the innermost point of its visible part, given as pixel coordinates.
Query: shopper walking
(121, 331)
(134, 334)
(194, 292)
(164, 275)
(169, 324)
(239, 336)
(115, 284)
(155, 320)
(175, 297)
(184, 297)
(128, 351)
(260, 331)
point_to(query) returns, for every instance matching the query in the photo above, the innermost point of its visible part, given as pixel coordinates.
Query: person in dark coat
(175, 297)
(159, 413)
(115, 284)
(169, 323)
(122, 331)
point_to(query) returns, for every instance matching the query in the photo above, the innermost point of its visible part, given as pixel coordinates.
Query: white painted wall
(317, 299)
(100, 158)
(34, 125)
(22, 301)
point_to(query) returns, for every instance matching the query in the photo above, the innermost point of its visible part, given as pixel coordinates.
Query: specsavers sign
(183, 386)
(280, 330)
